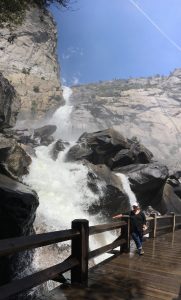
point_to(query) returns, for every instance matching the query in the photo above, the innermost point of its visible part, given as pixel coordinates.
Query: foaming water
(127, 189)
(62, 188)
(63, 191)
(64, 196)
(62, 118)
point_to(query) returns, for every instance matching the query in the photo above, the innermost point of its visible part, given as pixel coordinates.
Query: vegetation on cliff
(13, 11)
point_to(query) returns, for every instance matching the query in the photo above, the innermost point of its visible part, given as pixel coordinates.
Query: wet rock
(145, 177)
(106, 184)
(177, 190)
(122, 158)
(18, 205)
(169, 202)
(104, 145)
(57, 147)
(29, 150)
(176, 175)
(44, 131)
(14, 161)
(146, 180)
(140, 153)
(46, 140)
(109, 147)
(9, 103)
(44, 134)
(79, 152)
(173, 182)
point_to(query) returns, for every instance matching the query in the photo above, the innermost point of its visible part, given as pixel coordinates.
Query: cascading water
(62, 188)
(127, 189)
(61, 118)
(63, 191)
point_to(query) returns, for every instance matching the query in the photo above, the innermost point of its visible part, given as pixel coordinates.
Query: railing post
(125, 233)
(173, 221)
(153, 232)
(80, 246)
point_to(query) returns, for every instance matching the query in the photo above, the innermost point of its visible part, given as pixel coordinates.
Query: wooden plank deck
(156, 275)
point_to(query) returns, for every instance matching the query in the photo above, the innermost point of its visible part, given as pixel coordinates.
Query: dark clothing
(136, 227)
(138, 239)
(137, 221)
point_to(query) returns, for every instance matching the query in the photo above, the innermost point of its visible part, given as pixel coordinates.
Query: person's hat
(135, 204)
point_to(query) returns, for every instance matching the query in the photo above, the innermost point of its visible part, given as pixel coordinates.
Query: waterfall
(127, 189)
(61, 118)
(61, 186)
(62, 190)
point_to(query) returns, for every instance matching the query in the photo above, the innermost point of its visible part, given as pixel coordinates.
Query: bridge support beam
(154, 226)
(80, 247)
(125, 234)
(173, 221)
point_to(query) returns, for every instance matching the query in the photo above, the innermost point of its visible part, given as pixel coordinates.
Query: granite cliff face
(148, 108)
(28, 60)
(9, 104)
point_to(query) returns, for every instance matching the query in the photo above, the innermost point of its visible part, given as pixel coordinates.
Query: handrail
(106, 248)
(13, 245)
(78, 261)
(105, 227)
(28, 282)
(164, 217)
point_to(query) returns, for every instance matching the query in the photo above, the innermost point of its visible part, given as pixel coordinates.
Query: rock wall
(28, 60)
(9, 104)
(148, 108)
(18, 206)
(18, 203)
(112, 158)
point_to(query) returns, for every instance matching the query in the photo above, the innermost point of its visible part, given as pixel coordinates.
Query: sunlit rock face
(148, 108)
(28, 60)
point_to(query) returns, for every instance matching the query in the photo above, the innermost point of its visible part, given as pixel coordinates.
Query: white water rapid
(62, 120)
(127, 189)
(61, 186)
(63, 192)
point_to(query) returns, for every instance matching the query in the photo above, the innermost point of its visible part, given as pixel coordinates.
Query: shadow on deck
(156, 275)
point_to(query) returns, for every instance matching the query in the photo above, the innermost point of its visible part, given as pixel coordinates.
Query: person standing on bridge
(137, 225)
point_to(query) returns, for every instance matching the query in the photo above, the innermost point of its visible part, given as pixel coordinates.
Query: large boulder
(44, 134)
(109, 147)
(14, 161)
(18, 205)
(79, 152)
(9, 103)
(123, 158)
(170, 201)
(112, 196)
(57, 148)
(146, 180)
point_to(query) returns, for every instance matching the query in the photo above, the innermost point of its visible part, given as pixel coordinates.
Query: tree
(13, 11)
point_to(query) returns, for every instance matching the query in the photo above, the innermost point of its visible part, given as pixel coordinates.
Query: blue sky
(107, 39)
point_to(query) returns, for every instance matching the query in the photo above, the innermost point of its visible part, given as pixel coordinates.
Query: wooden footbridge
(125, 275)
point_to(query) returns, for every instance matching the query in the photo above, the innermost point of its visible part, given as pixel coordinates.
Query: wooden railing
(77, 262)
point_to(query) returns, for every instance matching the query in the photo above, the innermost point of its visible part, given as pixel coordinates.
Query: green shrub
(36, 89)
(25, 71)
(33, 108)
